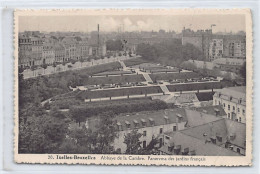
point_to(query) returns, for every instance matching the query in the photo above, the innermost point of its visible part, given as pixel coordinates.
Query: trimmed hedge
(121, 92)
(199, 86)
(113, 79)
(133, 62)
(174, 76)
(123, 106)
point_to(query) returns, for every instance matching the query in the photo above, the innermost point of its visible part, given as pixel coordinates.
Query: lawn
(112, 73)
(132, 62)
(174, 76)
(121, 92)
(198, 86)
(101, 68)
(113, 79)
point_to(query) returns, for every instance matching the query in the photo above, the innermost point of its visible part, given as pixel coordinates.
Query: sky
(224, 23)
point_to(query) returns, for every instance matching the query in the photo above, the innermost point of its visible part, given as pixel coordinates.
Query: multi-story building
(82, 50)
(222, 137)
(37, 48)
(48, 54)
(237, 49)
(70, 48)
(59, 52)
(155, 124)
(233, 45)
(150, 125)
(24, 51)
(199, 39)
(215, 49)
(30, 51)
(233, 100)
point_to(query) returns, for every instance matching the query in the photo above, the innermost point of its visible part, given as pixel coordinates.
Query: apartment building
(150, 125)
(233, 101)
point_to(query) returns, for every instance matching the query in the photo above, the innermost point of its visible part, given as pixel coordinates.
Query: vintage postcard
(133, 87)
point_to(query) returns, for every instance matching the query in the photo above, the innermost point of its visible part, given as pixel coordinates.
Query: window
(238, 110)
(243, 112)
(239, 119)
(161, 130)
(228, 107)
(219, 103)
(144, 133)
(224, 105)
(174, 128)
(228, 115)
(144, 144)
(238, 150)
(234, 108)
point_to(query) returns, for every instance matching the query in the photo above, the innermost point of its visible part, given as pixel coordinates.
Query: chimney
(166, 119)
(232, 136)
(216, 111)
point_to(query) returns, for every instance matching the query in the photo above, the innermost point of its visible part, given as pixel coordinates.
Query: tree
(72, 61)
(41, 134)
(133, 144)
(188, 65)
(81, 61)
(114, 45)
(54, 65)
(147, 51)
(78, 114)
(151, 148)
(33, 68)
(227, 76)
(106, 134)
(243, 72)
(20, 70)
(44, 66)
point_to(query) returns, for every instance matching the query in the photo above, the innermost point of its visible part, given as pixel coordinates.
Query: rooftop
(220, 130)
(233, 94)
(194, 146)
(151, 118)
(195, 118)
(207, 139)
(212, 110)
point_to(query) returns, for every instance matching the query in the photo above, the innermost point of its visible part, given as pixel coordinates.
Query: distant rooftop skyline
(224, 23)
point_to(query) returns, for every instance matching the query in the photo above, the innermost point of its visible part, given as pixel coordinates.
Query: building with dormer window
(233, 101)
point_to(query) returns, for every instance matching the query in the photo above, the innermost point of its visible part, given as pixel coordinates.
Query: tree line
(170, 51)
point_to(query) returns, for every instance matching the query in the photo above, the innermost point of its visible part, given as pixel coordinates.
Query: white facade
(216, 49)
(148, 133)
(48, 56)
(233, 102)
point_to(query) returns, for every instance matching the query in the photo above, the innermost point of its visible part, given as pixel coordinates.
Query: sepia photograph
(145, 86)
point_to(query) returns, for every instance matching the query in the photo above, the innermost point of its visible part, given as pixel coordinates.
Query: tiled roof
(209, 130)
(184, 98)
(151, 118)
(195, 118)
(237, 129)
(212, 110)
(220, 128)
(201, 148)
(236, 93)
